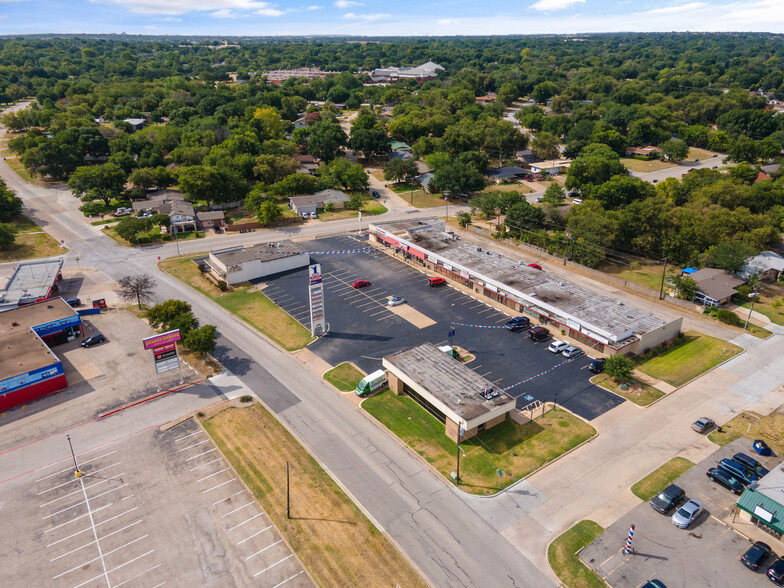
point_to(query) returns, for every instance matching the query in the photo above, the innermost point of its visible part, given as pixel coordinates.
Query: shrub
(618, 367)
(223, 285)
(729, 318)
(246, 398)
(166, 238)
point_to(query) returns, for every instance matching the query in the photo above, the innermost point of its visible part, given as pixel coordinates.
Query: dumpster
(761, 447)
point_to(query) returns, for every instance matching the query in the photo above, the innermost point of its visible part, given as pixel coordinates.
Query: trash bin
(761, 447)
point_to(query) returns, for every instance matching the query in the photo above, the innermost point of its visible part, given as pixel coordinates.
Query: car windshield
(663, 497)
(684, 513)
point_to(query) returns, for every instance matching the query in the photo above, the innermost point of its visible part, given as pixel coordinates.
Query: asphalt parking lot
(363, 329)
(706, 554)
(161, 508)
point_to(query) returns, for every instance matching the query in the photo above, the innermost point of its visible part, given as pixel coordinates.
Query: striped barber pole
(628, 548)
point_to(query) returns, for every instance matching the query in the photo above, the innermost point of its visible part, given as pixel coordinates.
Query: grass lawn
(522, 188)
(418, 198)
(516, 449)
(154, 236)
(563, 558)
(745, 425)
(640, 393)
(645, 275)
(31, 242)
(645, 166)
(369, 208)
(344, 377)
(688, 357)
(251, 306)
(337, 544)
(660, 478)
(765, 306)
(696, 153)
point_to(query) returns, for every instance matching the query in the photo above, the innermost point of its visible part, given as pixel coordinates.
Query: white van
(371, 383)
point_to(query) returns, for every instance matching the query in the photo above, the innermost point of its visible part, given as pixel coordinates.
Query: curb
(149, 398)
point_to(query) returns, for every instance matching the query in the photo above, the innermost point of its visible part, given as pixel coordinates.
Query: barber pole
(628, 548)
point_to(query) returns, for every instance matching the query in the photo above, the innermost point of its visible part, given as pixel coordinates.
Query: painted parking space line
(273, 565)
(77, 479)
(82, 502)
(237, 509)
(247, 521)
(194, 445)
(255, 534)
(115, 569)
(228, 497)
(204, 465)
(219, 485)
(186, 436)
(68, 522)
(74, 492)
(382, 311)
(211, 475)
(287, 579)
(97, 525)
(205, 453)
(71, 469)
(87, 563)
(139, 576)
(263, 550)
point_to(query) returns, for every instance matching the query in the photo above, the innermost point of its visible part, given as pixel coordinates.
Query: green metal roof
(751, 499)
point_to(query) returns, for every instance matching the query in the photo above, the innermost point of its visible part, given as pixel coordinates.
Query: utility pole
(288, 502)
(753, 296)
(664, 272)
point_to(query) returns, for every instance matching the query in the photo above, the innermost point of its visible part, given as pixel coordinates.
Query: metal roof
(259, 251)
(767, 493)
(31, 281)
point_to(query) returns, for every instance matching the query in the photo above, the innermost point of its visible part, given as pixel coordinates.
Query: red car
(360, 283)
(535, 266)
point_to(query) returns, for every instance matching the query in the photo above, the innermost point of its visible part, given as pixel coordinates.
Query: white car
(305, 215)
(396, 301)
(313, 215)
(558, 346)
(577, 201)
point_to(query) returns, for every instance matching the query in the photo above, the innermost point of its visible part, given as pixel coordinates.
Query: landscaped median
(640, 393)
(244, 301)
(513, 449)
(344, 377)
(335, 542)
(565, 561)
(661, 477)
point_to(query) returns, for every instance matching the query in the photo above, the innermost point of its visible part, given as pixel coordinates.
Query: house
(399, 146)
(552, 167)
(157, 199)
(500, 174)
(487, 99)
(768, 264)
(422, 73)
(307, 164)
(404, 155)
(211, 220)
(714, 286)
(649, 151)
(319, 200)
(424, 181)
(762, 176)
(136, 123)
(182, 215)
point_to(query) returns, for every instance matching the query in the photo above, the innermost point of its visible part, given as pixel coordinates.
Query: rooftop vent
(49, 306)
(620, 303)
(479, 249)
(14, 324)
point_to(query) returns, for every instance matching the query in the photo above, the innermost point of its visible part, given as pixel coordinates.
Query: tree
(10, 203)
(100, 182)
(522, 217)
(743, 149)
(728, 255)
(457, 177)
(173, 314)
(161, 220)
(397, 170)
(212, 184)
(597, 164)
(545, 146)
(202, 340)
(7, 235)
(621, 190)
(143, 178)
(618, 367)
(743, 173)
(464, 219)
(268, 212)
(590, 229)
(343, 173)
(357, 200)
(296, 184)
(676, 150)
(325, 140)
(273, 168)
(685, 287)
(369, 141)
(130, 227)
(554, 195)
(139, 288)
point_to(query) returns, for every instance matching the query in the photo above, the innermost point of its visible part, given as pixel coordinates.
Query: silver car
(557, 346)
(687, 514)
(396, 301)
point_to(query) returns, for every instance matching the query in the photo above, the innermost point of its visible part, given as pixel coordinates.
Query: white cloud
(677, 9)
(347, 3)
(313, 7)
(224, 13)
(366, 17)
(270, 12)
(553, 5)
(183, 6)
(765, 12)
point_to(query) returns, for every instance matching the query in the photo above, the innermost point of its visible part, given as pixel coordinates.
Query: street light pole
(753, 296)
(177, 241)
(452, 326)
(77, 472)
(446, 198)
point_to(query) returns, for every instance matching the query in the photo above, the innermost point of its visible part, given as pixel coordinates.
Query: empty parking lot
(162, 508)
(363, 329)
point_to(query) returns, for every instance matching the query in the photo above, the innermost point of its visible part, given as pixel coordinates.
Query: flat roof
(31, 315)
(23, 352)
(445, 379)
(772, 484)
(259, 251)
(31, 281)
(536, 288)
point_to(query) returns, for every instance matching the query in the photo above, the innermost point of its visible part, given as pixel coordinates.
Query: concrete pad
(412, 315)
(528, 536)
(769, 403)
(230, 385)
(700, 450)
(82, 363)
(312, 361)
(615, 508)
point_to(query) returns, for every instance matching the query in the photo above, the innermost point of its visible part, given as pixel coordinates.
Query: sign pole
(288, 500)
(179, 367)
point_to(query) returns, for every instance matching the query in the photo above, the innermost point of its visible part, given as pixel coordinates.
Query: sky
(386, 17)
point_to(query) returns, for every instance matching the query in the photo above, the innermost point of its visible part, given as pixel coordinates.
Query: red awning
(391, 241)
(416, 253)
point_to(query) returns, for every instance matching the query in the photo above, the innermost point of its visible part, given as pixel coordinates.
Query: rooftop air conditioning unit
(620, 303)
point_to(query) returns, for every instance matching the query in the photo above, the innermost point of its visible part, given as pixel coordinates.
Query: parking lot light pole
(452, 326)
(77, 472)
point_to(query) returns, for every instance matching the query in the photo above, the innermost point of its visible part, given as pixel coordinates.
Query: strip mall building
(610, 326)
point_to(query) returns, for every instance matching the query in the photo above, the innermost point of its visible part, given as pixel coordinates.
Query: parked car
(687, 514)
(597, 365)
(557, 346)
(360, 283)
(726, 479)
(93, 339)
(751, 463)
(668, 499)
(739, 471)
(776, 571)
(396, 301)
(375, 194)
(436, 281)
(73, 301)
(518, 323)
(654, 584)
(305, 215)
(755, 555)
(538, 334)
(572, 351)
(535, 266)
(577, 201)
(703, 425)
(313, 215)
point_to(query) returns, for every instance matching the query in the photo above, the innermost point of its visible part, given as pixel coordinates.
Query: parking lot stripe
(291, 578)
(72, 493)
(273, 565)
(186, 436)
(75, 479)
(204, 465)
(254, 534)
(80, 503)
(77, 518)
(95, 533)
(115, 569)
(139, 576)
(205, 453)
(263, 550)
(219, 485)
(382, 311)
(228, 497)
(243, 522)
(194, 445)
(98, 525)
(71, 469)
(236, 509)
(81, 565)
(72, 551)
(159, 585)
(211, 475)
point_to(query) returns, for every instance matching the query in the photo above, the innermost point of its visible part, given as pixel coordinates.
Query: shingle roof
(717, 284)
